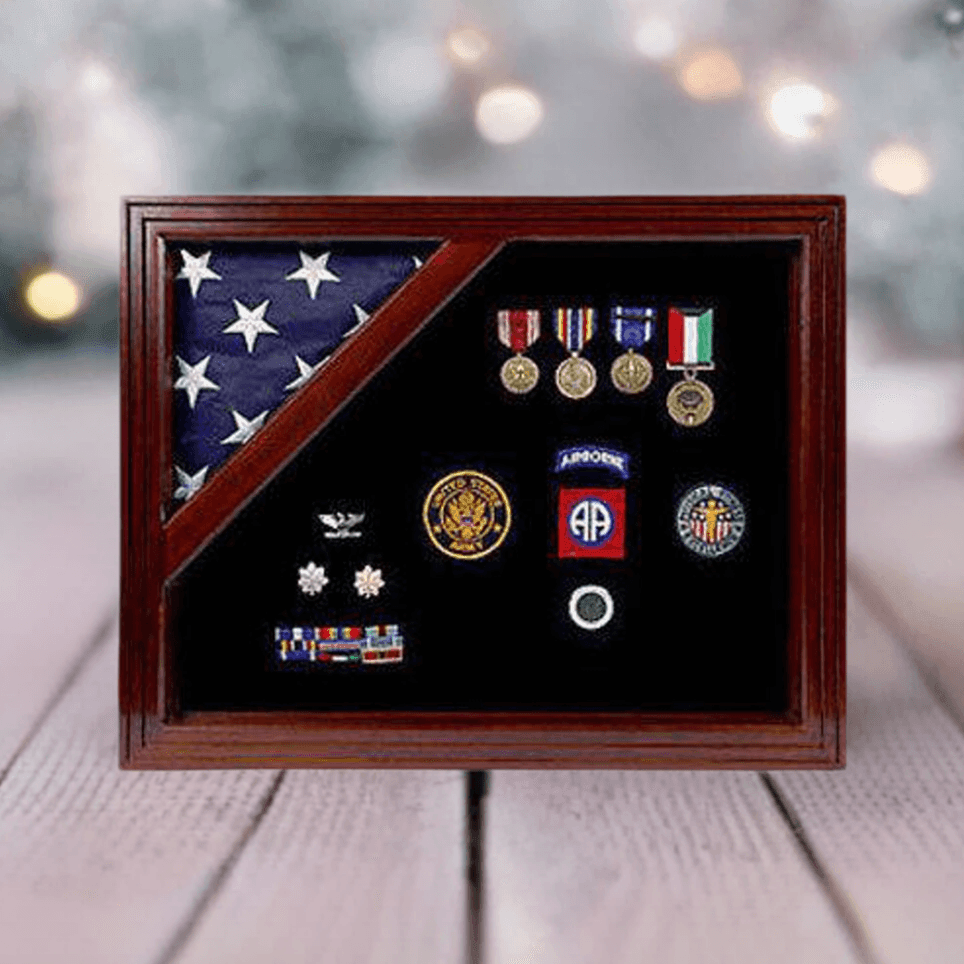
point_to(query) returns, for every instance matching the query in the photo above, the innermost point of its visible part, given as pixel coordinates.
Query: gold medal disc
(519, 374)
(690, 402)
(631, 373)
(575, 377)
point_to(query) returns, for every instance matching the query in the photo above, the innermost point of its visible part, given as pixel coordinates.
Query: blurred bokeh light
(655, 38)
(52, 296)
(507, 114)
(468, 45)
(710, 75)
(901, 168)
(796, 108)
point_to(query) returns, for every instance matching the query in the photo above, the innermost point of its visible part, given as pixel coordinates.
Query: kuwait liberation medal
(575, 377)
(690, 401)
(518, 330)
(632, 328)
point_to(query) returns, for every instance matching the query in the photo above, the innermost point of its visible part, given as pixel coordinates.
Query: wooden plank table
(864, 865)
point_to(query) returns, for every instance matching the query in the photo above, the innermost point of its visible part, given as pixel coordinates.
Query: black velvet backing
(688, 633)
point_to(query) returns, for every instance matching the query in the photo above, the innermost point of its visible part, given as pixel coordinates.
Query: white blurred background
(862, 97)
(102, 98)
(99, 99)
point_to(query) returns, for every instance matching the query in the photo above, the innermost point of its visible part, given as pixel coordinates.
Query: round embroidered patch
(467, 515)
(591, 607)
(710, 520)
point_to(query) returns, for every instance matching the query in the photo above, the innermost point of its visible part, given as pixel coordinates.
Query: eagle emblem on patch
(342, 524)
(467, 514)
(710, 520)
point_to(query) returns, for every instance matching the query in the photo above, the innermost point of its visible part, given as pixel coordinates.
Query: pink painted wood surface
(100, 865)
(614, 867)
(348, 865)
(890, 828)
(59, 528)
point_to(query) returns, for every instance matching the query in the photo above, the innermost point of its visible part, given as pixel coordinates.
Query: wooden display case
(596, 446)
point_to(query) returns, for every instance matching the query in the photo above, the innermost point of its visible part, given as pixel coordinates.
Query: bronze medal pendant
(631, 373)
(690, 402)
(518, 329)
(575, 377)
(519, 374)
(690, 348)
(632, 327)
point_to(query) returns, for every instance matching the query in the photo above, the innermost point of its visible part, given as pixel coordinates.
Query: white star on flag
(188, 484)
(250, 323)
(193, 379)
(313, 271)
(196, 270)
(245, 428)
(305, 371)
(418, 262)
(361, 315)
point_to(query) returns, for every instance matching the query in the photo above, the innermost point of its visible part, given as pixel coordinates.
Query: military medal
(710, 520)
(467, 515)
(632, 328)
(690, 401)
(518, 330)
(575, 377)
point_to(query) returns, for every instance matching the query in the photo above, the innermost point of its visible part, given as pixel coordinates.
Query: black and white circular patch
(591, 607)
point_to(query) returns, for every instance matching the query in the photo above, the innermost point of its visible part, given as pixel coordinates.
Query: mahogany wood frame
(155, 734)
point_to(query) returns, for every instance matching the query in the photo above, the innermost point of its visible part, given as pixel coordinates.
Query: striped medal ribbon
(330, 645)
(518, 329)
(632, 327)
(575, 376)
(689, 340)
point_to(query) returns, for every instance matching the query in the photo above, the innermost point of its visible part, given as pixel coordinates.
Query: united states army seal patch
(710, 520)
(467, 515)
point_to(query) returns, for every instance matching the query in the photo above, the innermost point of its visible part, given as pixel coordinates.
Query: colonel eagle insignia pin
(342, 524)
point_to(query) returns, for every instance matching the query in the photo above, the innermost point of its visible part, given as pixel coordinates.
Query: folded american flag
(254, 321)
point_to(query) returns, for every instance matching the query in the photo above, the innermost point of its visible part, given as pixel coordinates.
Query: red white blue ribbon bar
(363, 645)
(575, 326)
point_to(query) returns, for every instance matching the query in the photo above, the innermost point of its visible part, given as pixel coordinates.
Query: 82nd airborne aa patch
(592, 523)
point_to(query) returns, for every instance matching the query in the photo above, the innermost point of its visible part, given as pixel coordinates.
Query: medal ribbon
(632, 326)
(690, 339)
(575, 326)
(518, 329)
